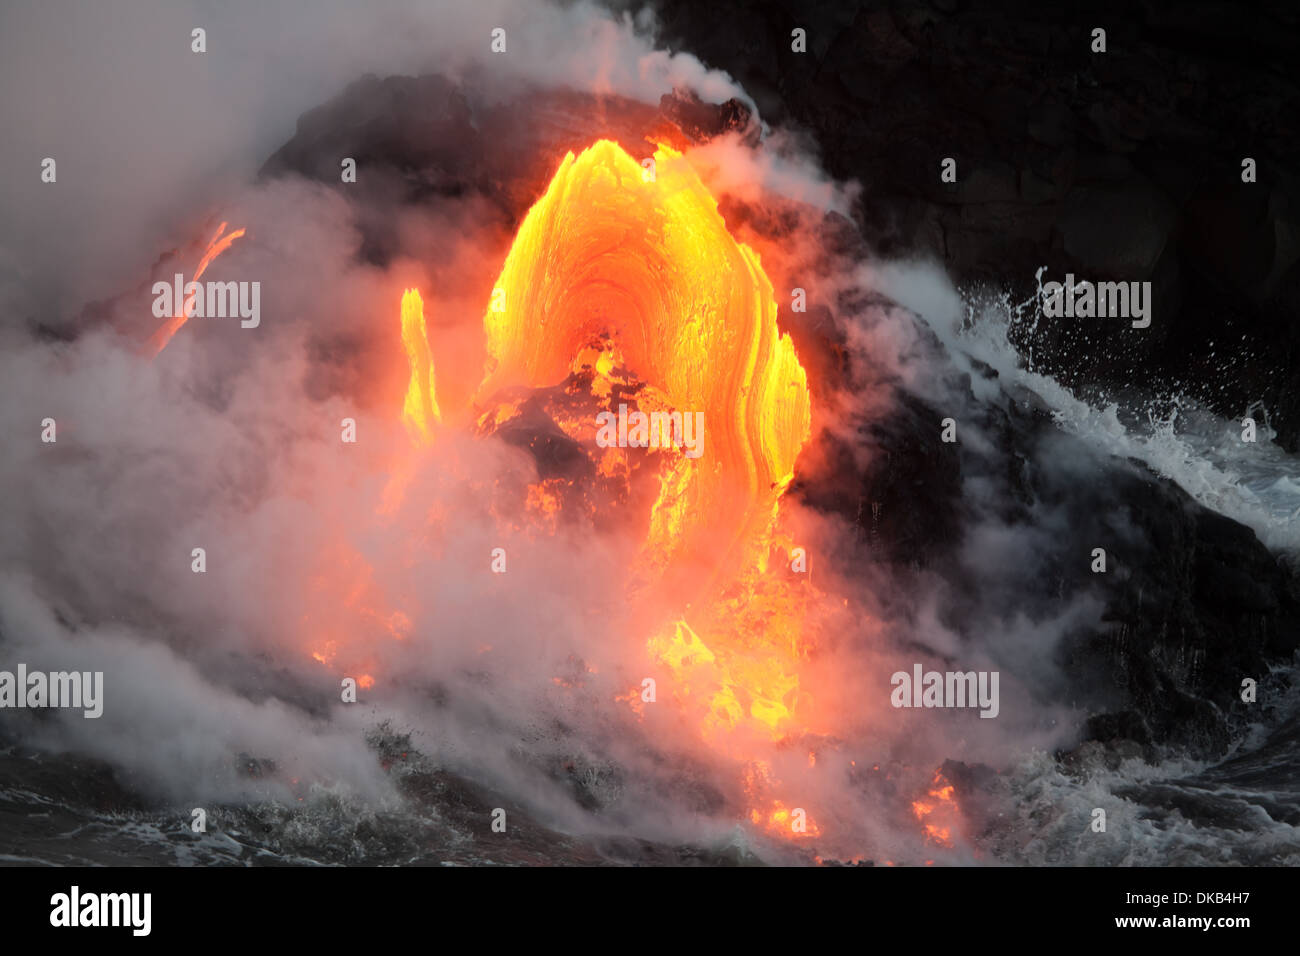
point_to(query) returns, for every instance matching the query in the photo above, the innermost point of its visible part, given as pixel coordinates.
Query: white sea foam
(1257, 484)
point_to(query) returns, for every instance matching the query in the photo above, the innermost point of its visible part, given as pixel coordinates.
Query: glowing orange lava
(421, 411)
(632, 277)
(691, 312)
(937, 811)
(218, 244)
(650, 268)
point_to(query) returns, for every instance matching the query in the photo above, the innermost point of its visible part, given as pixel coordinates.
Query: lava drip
(220, 242)
(420, 413)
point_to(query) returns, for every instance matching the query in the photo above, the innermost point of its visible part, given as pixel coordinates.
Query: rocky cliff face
(1191, 602)
(1123, 165)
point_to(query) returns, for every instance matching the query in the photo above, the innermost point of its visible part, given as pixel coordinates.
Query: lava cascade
(611, 250)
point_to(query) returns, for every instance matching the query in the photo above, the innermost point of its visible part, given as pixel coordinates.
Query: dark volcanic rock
(1191, 601)
(417, 139)
(1123, 165)
(1195, 604)
(418, 125)
(907, 502)
(701, 121)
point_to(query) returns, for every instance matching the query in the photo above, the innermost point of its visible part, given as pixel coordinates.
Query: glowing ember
(543, 502)
(937, 811)
(773, 815)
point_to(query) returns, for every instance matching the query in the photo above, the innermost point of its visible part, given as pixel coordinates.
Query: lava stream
(218, 244)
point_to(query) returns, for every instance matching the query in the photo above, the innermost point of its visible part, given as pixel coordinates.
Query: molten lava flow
(652, 266)
(219, 244)
(649, 269)
(629, 288)
(421, 410)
